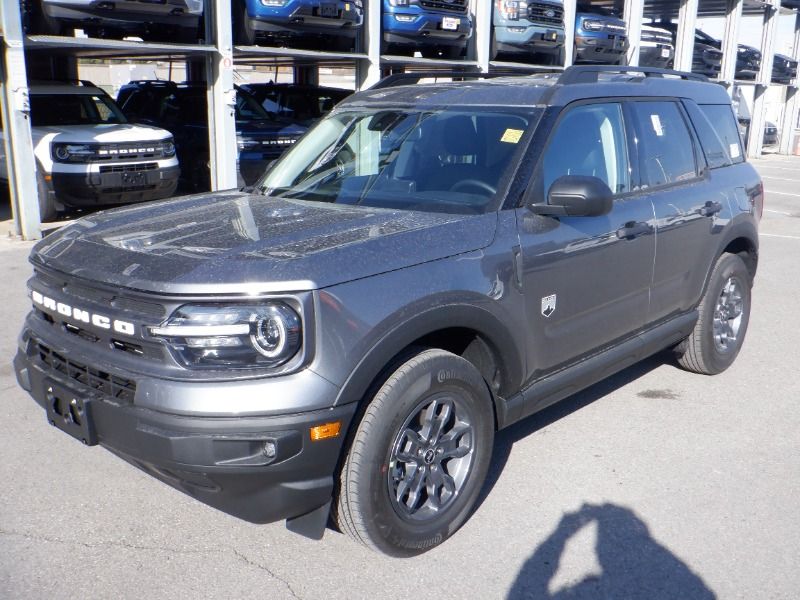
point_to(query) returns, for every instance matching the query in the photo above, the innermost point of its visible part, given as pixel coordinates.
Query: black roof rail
(414, 76)
(591, 73)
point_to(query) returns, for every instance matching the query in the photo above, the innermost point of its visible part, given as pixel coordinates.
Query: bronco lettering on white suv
(429, 264)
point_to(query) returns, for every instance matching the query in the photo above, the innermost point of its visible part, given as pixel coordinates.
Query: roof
(544, 89)
(64, 88)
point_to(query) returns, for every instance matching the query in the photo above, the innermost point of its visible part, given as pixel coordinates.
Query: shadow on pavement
(633, 564)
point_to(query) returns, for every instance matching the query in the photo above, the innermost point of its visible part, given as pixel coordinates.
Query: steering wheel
(466, 184)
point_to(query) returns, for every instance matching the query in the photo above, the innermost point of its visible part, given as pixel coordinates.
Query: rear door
(689, 201)
(586, 280)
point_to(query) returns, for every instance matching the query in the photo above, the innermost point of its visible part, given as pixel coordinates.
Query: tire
(47, 208)
(244, 34)
(380, 502)
(557, 58)
(724, 316)
(45, 24)
(453, 52)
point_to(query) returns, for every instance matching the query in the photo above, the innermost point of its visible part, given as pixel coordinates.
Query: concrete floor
(654, 484)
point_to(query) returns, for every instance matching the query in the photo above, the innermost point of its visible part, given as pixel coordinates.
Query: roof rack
(591, 73)
(414, 76)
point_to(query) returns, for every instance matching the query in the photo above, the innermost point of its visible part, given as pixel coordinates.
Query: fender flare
(499, 338)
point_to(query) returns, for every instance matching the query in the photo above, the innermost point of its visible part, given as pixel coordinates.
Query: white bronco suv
(88, 154)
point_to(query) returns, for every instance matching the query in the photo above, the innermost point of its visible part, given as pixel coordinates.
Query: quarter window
(589, 140)
(724, 123)
(666, 150)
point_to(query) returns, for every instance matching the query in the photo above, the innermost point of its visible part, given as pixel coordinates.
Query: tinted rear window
(724, 123)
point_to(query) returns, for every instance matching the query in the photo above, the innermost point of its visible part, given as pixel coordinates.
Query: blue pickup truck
(337, 23)
(600, 36)
(437, 28)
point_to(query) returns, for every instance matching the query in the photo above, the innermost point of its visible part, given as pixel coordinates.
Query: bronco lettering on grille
(103, 322)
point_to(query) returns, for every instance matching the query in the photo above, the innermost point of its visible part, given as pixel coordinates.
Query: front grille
(538, 13)
(459, 6)
(111, 386)
(128, 151)
(128, 168)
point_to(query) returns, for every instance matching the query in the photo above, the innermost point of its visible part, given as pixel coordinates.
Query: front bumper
(521, 39)
(116, 184)
(302, 18)
(126, 15)
(426, 29)
(600, 48)
(657, 55)
(257, 468)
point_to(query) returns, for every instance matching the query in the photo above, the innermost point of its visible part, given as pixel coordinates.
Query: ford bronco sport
(429, 264)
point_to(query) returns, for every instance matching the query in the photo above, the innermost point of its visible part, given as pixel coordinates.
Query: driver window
(589, 140)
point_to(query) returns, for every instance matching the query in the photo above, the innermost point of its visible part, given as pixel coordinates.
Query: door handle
(632, 229)
(710, 209)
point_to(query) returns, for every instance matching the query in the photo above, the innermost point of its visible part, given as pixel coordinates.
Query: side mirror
(576, 196)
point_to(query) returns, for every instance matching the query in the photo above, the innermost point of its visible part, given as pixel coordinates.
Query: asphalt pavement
(655, 484)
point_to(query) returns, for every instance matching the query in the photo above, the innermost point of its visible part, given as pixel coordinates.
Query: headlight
(168, 148)
(589, 25)
(72, 152)
(232, 336)
(398, 2)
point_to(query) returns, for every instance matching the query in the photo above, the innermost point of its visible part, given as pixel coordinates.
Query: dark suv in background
(301, 104)
(706, 56)
(182, 109)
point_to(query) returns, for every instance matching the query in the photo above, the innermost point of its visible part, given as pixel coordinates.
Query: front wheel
(244, 34)
(419, 456)
(724, 314)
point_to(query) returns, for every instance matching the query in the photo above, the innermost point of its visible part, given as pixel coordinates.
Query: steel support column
(684, 39)
(15, 106)
(730, 46)
(789, 121)
(483, 33)
(368, 72)
(633, 14)
(221, 98)
(569, 31)
(756, 138)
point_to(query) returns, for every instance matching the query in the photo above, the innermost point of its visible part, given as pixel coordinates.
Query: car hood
(107, 133)
(234, 242)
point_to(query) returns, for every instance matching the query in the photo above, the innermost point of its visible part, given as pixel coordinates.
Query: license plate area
(70, 412)
(450, 23)
(665, 53)
(329, 11)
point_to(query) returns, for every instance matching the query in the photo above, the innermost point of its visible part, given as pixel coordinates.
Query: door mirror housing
(576, 196)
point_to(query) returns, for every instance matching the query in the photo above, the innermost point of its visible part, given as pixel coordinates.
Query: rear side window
(589, 140)
(666, 149)
(724, 123)
(713, 148)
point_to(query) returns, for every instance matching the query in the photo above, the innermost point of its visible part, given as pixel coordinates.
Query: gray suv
(428, 265)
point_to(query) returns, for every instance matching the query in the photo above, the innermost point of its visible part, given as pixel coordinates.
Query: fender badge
(549, 305)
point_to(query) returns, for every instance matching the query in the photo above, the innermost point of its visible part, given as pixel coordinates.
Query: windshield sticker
(734, 150)
(657, 127)
(512, 136)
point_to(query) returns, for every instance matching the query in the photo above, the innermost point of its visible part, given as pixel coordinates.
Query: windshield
(433, 160)
(248, 108)
(49, 110)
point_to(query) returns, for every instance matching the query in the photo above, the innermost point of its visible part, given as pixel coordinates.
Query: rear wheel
(419, 456)
(724, 315)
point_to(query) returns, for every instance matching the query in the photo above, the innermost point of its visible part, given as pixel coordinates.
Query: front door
(586, 280)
